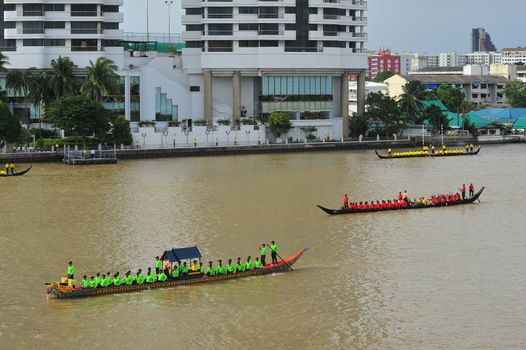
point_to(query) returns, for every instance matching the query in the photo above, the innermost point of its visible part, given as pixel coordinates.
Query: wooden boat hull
(56, 291)
(437, 155)
(347, 211)
(18, 173)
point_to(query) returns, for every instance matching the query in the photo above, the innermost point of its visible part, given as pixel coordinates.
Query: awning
(179, 254)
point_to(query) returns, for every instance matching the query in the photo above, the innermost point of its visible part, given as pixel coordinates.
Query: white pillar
(344, 96)
(127, 97)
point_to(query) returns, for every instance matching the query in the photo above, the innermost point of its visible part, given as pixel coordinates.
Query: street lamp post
(165, 136)
(248, 136)
(207, 132)
(228, 136)
(169, 4)
(143, 134)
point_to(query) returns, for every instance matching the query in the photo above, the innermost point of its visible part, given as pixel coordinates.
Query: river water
(451, 278)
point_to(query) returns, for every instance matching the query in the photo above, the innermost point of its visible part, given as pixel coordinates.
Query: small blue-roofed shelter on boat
(180, 254)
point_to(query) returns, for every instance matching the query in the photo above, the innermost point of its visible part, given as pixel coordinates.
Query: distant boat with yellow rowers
(428, 154)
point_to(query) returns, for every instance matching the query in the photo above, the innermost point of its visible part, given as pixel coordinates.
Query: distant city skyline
(404, 25)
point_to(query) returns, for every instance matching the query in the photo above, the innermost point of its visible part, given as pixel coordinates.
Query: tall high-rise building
(37, 31)
(480, 41)
(293, 56)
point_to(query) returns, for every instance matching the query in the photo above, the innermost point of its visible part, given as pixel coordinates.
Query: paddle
(281, 258)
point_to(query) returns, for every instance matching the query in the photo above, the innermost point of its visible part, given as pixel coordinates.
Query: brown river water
(448, 278)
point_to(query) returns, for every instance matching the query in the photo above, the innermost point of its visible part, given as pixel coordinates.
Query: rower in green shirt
(211, 270)
(249, 265)
(201, 267)
(117, 280)
(139, 279)
(106, 280)
(93, 283)
(150, 278)
(71, 271)
(221, 270)
(161, 277)
(184, 269)
(128, 279)
(274, 252)
(175, 272)
(263, 254)
(258, 264)
(230, 268)
(98, 279)
(158, 265)
(239, 266)
(85, 282)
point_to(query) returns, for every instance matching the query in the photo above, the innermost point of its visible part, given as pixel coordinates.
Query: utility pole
(169, 3)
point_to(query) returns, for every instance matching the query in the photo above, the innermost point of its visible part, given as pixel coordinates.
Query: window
(268, 43)
(334, 44)
(268, 12)
(194, 44)
(474, 95)
(220, 29)
(290, 10)
(33, 28)
(290, 26)
(54, 7)
(219, 46)
(84, 28)
(248, 10)
(483, 86)
(268, 29)
(248, 43)
(54, 25)
(84, 10)
(194, 11)
(313, 10)
(8, 45)
(110, 26)
(313, 27)
(248, 26)
(33, 42)
(84, 45)
(220, 12)
(110, 8)
(54, 42)
(9, 25)
(33, 10)
(194, 27)
(9, 7)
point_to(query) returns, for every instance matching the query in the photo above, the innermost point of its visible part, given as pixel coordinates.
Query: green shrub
(174, 123)
(224, 122)
(200, 122)
(146, 123)
(248, 121)
(121, 133)
(279, 123)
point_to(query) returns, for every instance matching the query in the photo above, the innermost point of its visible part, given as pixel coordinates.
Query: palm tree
(101, 79)
(410, 101)
(4, 61)
(40, 93)
(62, 80)
(18, 82)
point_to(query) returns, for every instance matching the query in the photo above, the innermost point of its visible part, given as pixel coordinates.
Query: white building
(290, 56)
(485, 58)
(514, 55)
(37, 31)
(370, 87)
(452, 59)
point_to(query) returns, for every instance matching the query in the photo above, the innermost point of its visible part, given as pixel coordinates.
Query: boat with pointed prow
(67, 288)
(428, 154)
(17, 173)
(409, 206)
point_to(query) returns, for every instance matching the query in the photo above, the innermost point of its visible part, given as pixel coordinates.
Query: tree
(410, 101)
(279, 123)
(358, 125)
(436, 117)
(4, 61)
(516, 94)
(469, 126)
(79, 114)
(10, 128)
(451, 97)
(101, 79)
(40, 94)
(121, 132)
(383, 76)
(385, 110)
(61, 79)
(17, 81)
(308, 130)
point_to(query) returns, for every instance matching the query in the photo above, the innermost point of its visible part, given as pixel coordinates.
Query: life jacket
(463, 189)
(471, 187)
(346, 200)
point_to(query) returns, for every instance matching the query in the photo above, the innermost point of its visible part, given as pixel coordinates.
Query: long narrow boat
(58, 291)
(428, 155)
(18, 173)
(343, 211)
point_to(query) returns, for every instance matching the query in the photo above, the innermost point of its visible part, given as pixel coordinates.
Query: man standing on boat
(158, 265)
(345, 206)
(463, 190)
(274, 252)
(471, 190)
(71, 271)
(263, 258)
